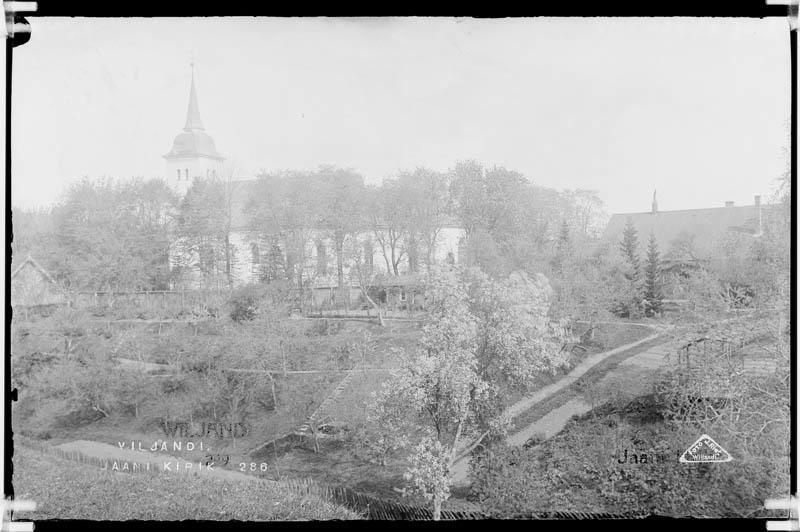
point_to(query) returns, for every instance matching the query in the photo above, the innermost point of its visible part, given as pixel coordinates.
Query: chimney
(757, 201)
(655, 204)
(729, 204)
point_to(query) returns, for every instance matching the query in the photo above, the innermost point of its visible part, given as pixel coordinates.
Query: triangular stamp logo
(705, 449)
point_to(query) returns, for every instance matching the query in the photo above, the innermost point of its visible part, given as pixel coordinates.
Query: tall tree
(113, 235)
(389, 212)
(282, 210)
(428, 203)
(653, 294)
(482, 336)
(630, 248)
(205, 227)
(340, 210)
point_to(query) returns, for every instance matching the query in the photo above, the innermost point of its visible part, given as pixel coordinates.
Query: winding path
(554, 421)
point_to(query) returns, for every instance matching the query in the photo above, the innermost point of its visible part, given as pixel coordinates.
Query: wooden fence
(171, 302)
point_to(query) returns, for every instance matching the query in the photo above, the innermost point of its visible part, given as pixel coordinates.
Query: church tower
(193, 152)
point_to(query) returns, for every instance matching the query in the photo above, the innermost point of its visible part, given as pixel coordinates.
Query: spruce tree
(273, 267)
(630, 249)
(652, 283)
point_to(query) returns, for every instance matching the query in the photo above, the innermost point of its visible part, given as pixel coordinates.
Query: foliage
(429, 471)
(579, 470)
(481, 334)
(584, 467)
(590, 285)
(653, 295)
(629, 246)
(104, 235)
(630, 249)
(243, 305)
(204, 232)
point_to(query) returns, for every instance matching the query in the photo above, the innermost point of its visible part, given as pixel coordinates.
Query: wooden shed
(32, 288)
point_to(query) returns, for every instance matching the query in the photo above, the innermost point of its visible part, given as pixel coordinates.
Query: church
(194, 156)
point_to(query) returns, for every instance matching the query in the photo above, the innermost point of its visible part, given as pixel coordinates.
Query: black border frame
(184, 8)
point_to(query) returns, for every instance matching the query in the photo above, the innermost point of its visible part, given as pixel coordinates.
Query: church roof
(193, 120)
(706, 227)
(194, 141)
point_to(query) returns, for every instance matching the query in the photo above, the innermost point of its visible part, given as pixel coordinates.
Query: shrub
(583, 469)
(244, 305)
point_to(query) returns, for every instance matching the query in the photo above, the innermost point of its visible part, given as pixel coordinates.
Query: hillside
(64, 489)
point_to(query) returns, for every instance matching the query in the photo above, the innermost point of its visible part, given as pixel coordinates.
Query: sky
(697, 109)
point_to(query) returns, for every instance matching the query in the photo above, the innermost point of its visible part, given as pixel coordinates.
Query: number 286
(252, 466)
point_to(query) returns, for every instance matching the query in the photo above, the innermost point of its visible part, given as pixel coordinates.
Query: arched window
(179, 174)
(186, 174)
(450, 258)
(208, 172)
(322, 258)
(256, 256)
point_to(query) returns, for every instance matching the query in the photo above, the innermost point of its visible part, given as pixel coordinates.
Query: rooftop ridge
(736, 207)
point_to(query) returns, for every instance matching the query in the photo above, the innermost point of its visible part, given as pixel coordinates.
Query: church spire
(193, 114)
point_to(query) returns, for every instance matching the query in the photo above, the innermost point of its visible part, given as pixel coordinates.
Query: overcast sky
(695, 108)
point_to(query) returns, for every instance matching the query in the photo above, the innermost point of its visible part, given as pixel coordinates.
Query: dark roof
(706, 226)
(193, 112)
(194, 141)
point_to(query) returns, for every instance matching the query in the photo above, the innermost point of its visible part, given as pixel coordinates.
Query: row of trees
(645, 280)
(117, 235)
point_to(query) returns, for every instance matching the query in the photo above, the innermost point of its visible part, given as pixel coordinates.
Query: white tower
(193, 152)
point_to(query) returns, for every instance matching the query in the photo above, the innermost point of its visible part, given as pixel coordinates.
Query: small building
(33, 289)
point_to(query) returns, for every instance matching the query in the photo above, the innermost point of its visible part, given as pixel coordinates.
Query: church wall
(448, 241)
(197, 167)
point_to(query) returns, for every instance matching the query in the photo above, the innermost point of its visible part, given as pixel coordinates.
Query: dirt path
(635, 371)
(552, 422)
(576, 373)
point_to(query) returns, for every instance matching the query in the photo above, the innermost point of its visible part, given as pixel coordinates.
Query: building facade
(253, 256)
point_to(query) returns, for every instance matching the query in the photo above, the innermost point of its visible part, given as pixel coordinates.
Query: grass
(606, 338)
(338, 463)
(64, 489)
(588, 467)
(591, 377)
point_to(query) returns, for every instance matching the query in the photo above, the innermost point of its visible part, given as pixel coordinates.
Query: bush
(244, 305)
(579, 470)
